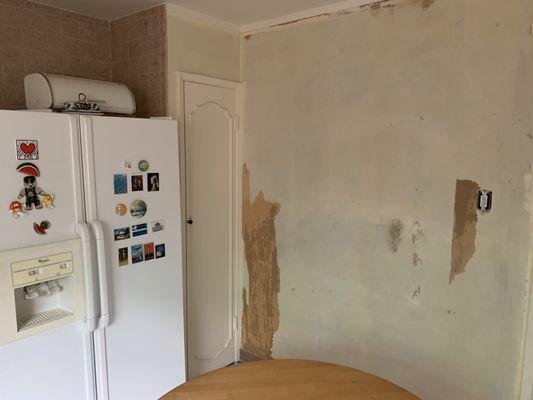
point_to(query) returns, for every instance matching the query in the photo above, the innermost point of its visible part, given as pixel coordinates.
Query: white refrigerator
(91, 297)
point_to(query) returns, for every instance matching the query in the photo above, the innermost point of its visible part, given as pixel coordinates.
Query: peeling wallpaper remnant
(395, 235)
(464, 226)
(378, 5)
(260, 317)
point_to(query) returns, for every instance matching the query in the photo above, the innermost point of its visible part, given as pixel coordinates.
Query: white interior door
(211, 128)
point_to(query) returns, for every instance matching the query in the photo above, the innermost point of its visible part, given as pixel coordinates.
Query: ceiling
(237, 12)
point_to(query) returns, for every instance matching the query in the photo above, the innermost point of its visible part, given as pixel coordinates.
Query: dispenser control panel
(41, 269)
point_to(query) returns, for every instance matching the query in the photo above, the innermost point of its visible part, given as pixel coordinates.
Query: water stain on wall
(416, 260)
(427, 3)
(260, 317)
(418, 233)
(394, 233)
(464, 226)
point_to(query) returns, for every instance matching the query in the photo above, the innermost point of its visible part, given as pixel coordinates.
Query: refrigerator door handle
(91, 308)
(105, 315)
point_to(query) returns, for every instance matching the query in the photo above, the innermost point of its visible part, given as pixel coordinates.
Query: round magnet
(138, 209)
(121, 209)
(144, 165)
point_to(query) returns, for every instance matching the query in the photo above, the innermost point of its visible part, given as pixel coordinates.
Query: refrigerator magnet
(121, 209)
(127, 164)
(143, 165)
(120, 183)
(158, 226)
(153, 182)
(137, 254)
(138, 209)
(123, 257)
(28, 169)
(30, 193)
(139, 230)
(16, 209)
(41, 228)
(48, 201)
(137, 183)
(122, 233)
(149, 251)
(160, 251)
(27, 150)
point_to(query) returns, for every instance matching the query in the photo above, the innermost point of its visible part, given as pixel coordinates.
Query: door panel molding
(236, 160)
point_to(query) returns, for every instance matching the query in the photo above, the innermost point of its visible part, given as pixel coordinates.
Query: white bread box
(49, 91)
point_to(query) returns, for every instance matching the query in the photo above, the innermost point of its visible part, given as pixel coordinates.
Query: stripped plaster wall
(360, 127)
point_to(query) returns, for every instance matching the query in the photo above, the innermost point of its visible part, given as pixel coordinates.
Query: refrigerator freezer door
(45, 141)
(51, 366)
(56, 363)
(142, 348)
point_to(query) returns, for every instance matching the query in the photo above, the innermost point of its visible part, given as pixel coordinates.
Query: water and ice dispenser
(43, 289)
(40, 288)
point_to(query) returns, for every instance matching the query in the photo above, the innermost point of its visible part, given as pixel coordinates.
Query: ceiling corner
(201, 19)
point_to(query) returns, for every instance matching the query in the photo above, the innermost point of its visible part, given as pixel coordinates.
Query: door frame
(238, 159)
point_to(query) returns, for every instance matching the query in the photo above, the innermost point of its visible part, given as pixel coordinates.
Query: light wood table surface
(288, 380)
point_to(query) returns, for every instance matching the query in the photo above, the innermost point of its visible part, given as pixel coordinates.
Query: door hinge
(235, 323)
(237, 122)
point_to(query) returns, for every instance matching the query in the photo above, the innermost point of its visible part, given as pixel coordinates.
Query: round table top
(288, 379)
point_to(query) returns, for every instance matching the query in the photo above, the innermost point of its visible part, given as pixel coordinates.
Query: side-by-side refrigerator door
(131, 171)
(45, 342)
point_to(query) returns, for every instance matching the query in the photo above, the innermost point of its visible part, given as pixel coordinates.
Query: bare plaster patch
(464, 226)
(260, 317)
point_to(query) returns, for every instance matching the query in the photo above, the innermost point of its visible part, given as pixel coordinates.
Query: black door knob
(190, 221)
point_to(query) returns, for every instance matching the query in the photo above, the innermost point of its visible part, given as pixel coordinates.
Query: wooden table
(288, 380)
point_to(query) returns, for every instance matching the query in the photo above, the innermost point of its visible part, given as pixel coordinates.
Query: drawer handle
(63, 266)
(44, 260)
(34, 272)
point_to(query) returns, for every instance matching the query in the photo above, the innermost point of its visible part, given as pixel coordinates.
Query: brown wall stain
(427, 3)
(464, 226)
(260, 316)
(418, 233)
(394, 232)
(416, 260)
